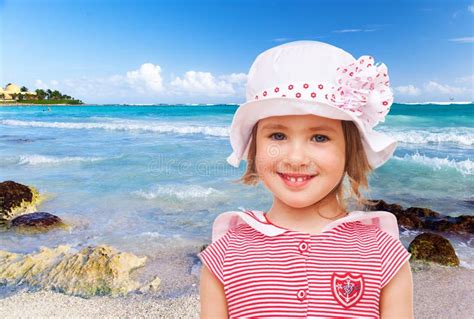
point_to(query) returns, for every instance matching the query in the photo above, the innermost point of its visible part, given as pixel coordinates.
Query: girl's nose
(296, 155)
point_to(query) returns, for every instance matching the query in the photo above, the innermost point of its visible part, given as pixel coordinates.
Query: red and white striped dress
(270, 271)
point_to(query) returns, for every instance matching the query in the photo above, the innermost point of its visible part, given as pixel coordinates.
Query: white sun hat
(312, 77)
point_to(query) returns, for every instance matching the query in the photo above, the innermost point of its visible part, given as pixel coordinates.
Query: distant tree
(48, 93)
(56, 95)
(24, 89)
(41, 94)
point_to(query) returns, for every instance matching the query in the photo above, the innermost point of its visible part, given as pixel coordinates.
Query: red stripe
(262, 275)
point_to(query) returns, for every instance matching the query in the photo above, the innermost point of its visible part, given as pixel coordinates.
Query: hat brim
(379, 147)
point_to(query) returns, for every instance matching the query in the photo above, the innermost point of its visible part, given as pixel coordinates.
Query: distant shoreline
(203, 104)
(39, 104)
(114, 104)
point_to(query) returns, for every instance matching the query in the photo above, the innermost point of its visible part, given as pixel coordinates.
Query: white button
(303, 246)
(301, 294)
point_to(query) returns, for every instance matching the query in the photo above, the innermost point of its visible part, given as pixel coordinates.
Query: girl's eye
(281, 136)
(324, 137)
(277, 134)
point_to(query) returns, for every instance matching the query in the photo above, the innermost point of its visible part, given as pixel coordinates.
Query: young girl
(307, 124)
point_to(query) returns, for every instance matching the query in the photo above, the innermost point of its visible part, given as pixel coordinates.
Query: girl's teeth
(296, 179)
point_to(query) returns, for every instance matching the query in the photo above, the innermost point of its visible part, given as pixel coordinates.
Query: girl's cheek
(273, 151)
(266, 157)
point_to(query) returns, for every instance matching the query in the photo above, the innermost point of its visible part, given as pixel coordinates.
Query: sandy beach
(440, 292)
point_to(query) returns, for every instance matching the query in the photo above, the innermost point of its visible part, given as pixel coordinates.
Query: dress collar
(256, 219)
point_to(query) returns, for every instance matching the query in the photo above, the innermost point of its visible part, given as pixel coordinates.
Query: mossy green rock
(435, 248)
(16, 199)
(38, 222)
(100, 270)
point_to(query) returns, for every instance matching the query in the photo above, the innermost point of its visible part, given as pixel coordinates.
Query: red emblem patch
(347, 288)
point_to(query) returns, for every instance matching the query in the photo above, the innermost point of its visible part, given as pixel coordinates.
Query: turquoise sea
(144, 178)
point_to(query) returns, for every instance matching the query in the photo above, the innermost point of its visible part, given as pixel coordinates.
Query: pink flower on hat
(365, 90)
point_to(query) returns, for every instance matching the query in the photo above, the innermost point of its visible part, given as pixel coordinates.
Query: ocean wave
(439, 103)
(41, 159)
(127, 125)
(461, 136)
(179, 192)
(464, 167)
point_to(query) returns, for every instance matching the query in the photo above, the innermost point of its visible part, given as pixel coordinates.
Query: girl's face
(308, 145)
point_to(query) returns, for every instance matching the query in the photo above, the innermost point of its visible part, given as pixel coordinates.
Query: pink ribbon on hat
(364, 90)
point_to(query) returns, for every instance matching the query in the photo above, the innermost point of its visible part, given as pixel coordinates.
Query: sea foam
(127, 125)
(179, 192)
(461, 136)
(41, 159)
(464, 167)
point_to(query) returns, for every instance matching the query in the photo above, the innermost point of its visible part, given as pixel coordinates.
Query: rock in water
(100, 270)
(38, 222)
(425, 218)
(435, 248)
(16, 199)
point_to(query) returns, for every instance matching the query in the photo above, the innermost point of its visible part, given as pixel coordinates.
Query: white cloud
(466, 79)
(147, 85)
(434, 87)
(408, 90)
(202, 83)
(463, 40)
(146, 81)
(148, 77)
(235, 78)
(281, 39)
(470, 8)
(432, 91)
(353, 30)
(39, 84)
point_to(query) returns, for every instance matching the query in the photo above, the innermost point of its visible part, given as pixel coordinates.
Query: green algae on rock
(434, 248)
(100, 270)
(16, 199)
(38, 222)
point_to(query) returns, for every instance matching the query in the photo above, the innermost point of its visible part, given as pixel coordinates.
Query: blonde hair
(356, 169)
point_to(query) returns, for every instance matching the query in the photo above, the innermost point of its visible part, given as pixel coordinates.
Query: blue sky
(200, 51)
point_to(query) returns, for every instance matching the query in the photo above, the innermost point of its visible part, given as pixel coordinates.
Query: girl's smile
(295, 180)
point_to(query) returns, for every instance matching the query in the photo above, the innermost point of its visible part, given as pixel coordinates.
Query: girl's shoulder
(380, 221)
(234, 221)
